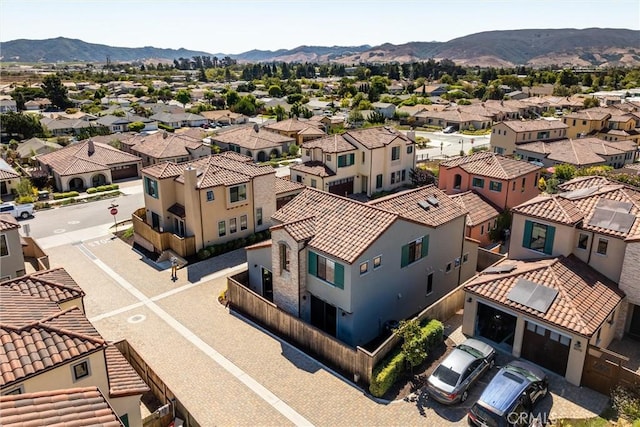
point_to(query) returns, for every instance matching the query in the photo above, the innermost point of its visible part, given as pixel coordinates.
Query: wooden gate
(603, 369)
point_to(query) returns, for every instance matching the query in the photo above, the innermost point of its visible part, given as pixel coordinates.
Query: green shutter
(405, 256)
(526, 237)
(548, 242)
(352, 158)
(338, 275)
(341, 161)
(313, 264)
(425, 246)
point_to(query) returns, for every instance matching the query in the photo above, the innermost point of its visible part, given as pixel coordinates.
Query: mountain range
(533, 47)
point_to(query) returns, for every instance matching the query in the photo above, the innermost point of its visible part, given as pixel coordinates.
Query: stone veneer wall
(285, 283)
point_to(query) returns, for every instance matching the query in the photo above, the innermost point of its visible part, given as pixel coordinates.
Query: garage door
(341, 187)
(546, 348)
(122, 172)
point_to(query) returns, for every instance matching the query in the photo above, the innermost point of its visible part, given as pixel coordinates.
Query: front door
(365, 184)
(267, 284)
(634, 327)
(178, 227)
(155, 220)
(323, 316)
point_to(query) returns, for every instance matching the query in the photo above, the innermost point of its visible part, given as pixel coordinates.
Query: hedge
(102, 188)
(231, 245)
(58, 196)
(389, 370)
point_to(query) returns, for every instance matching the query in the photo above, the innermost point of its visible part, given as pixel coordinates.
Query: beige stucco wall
(504, 137)
(12, 265)
(257, 259)
(86, 179)
(610, 264)
(129, 405)
(578, 126)
(563, 242)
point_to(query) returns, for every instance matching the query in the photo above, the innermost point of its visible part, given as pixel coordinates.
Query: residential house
(358, 161)
(88, 164)
(503, 181)
(37, 104)
(69, 127)
(457, 118)
(545, 89)
(547, 311)
(224, 117)
(286, 190)
(32, 147)
(121, 124)
(348, 268)
(48, 344)
(586, 122)
(208, 201)
(11, 255)
(300, 130)
(506, 135)
(482, 216)
(516, 94)
(387, 109)
(431, 90)
(9, 178)
(579, 152)
(595, 220)
(163, 146)
(254, 142)
(179, 119)
(329, 123)
(8, 106)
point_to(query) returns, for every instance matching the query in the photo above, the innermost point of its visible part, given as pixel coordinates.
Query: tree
(25, 125)
(183, 96)
(232, 98)
(420, 177)
(136, 126)
(293, 150)
(275, 91)
(246, 106)
(565, 172)
(414, 352)
(503, 222)
(55, 91)
(591, 102)
(376, 117)
(280, 112)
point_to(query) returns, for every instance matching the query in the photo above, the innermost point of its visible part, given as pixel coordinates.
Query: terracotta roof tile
(6, 171)
(405, 204)
(584, 182)
(287, 186)
(8, 222)
(585, 297)
(330, 144)
(579, 152)
(164, 170)
(301, 230)
(247, 138)
(58, 408)
(491, 165)
(376, 137)
(534, 125)
(123, 379)
(479, 210)
(344, 228)
(264, 244)
(76, 158)
(315, 168)
(55, 285)
(554, 209)
(292, 125)
(163, 145)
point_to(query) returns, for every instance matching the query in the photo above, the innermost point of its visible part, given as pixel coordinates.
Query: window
(495, 186)
(363, 157)
(379, 181)
(233, 226)
(456, 262)
(377, 262)
(523, 184)
(482, 229)
(17, 390)
(404, 175)
(364, 267)
(430, 284)
(602, 246)
(410, 149)
(328, 157)
(465, 258)
(4, 248)
(326, 269)
(346, 160)
(238, 193)
(313, 183)
(393, 177)
(299, 178)
(583, 240)
(151, 187)
(478, 182)
(222, 228)
(210, 196)
(414, 251)
(395, 153)
(307, 153)
(259, 216)
(538, 237)
(243, 222)
(448, 269)
(284, 257)
(535, 183)
(513, 186)
(80, 370)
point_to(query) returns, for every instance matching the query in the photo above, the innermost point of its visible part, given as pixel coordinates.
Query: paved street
(226, 370)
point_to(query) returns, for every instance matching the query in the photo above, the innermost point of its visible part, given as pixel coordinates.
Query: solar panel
(505, 268)
(577, 194)
(424, 205)
(532, 295)
(614, 205)
(433, 201)
(614, 220)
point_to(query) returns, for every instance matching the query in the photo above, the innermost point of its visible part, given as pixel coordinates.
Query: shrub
(58, 196)
(165, 127)
(386, 373)
(203, 254)
(92, 190)
(24, 199)
(627, 402)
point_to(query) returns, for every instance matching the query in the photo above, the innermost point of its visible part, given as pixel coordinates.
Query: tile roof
(291, 125)
(58, 408)
(579, 152)
(479, 210)
(6, 171)
(554, 209)
(247, 138)
(315, 168)
(76, 158)
(491, 165)
(405, 204)
(264, 244)
(301, 230)
(330, 144)
(55, 285)
(590, 114)
(584, 182)
(163, 145)
(585, 297)
(287, 186)
(123, 379)
(375, 137)
(534, 125)
(8, 222)
(344, 228)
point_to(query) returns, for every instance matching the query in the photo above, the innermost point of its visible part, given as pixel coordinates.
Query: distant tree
(591, 102)
(246, 106)
(25, 94)
(24, 125)
(565, 171)
(294, 97)
(183, 96)
(232, 98)
(280, 112)
(294, 150)
(376, 117)
(136, 126)
(275, 91)
(55, 91)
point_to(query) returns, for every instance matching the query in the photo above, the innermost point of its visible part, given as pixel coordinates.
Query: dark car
(509, 398)
(450, 381)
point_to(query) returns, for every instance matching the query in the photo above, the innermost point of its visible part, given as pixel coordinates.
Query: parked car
(449, 129)
(18, 211)
(450, 381)
(510, 397)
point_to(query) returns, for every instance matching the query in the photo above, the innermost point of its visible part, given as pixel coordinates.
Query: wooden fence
(603, 371)
(158, 388)
(183, 246)
(357, 362)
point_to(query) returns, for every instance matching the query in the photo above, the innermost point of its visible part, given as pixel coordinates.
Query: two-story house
(482, 216)
(586, 122)
(595, 220)
(211, 200)
(503, 181)
(164, 147)
(348, 267)
(300, 130)
(11, 255)
(506, 135)
(358, 161)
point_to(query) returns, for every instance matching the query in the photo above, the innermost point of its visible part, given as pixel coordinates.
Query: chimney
(90, 147)
(165, 134)
(411, 134)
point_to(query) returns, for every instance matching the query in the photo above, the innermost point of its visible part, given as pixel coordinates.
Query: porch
(154, 240)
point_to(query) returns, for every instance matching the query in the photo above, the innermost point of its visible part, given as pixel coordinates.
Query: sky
(236, 26)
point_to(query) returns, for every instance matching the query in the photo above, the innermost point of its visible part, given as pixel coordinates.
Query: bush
(58, 196)
(627, 402)
(165, 127)
(203, 254)
(25, 199)
(386, 373)
(92, 190)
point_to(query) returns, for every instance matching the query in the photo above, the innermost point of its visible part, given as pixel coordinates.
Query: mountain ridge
(530, 47)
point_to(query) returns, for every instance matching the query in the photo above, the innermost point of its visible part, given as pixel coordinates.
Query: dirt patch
(126, 236)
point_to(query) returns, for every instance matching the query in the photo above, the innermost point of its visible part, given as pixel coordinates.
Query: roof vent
(433, 201)
(164, 134)
(256, 128)
(424, 205)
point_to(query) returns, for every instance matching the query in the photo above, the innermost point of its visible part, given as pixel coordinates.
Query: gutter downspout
(464, 228)
(593, 237)
(304, 246)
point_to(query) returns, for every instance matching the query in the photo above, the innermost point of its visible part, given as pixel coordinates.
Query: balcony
(158, 241)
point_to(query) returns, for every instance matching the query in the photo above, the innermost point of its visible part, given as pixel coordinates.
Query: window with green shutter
(326, 269)
(414, 251)
(538, 237)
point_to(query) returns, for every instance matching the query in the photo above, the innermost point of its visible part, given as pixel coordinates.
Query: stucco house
(547, 311)
(503, 181)
(358, 161)
(224, 117)
(254, 142)
(482, 216)
(11, 255)
(88, 164)
(348, 267)
(595, 220)
(179, 119)
(506, 135)
(43, 315)
(300, 130)
(164, 146)
(8, 106)
(9, 178)
(32, 147)
(457, 118)
(586, 122)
